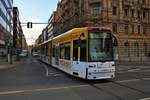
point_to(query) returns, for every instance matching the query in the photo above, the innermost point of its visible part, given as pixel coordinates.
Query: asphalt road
(33, 80)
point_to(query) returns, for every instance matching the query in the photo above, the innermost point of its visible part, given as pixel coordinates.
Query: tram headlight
(113, 64)
(92, 66)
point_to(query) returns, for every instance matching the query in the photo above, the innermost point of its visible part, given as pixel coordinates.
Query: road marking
(11, 92)
(145, 99)
(47, 73)
(131, 80)
(39, 90)
(121, 72)
(67, 87)
(146, 78)
(133, 70)
(58, 75)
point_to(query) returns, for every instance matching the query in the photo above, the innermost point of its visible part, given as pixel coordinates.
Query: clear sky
(35, 11)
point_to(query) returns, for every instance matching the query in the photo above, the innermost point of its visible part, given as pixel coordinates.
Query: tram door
(79, 51)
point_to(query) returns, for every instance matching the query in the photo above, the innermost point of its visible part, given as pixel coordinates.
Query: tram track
(107, 92)
(130, 88)
(119, 84)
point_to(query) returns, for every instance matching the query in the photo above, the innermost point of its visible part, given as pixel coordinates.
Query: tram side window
(62, 51)
(46, 50)
(67, 50)
(75, 50)
(83, 50)
(53, 51)
(67, 53)
(57, 51)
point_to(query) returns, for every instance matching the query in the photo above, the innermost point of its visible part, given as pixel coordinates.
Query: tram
(82, 52)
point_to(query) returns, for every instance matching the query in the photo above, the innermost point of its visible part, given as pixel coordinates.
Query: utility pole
(9, 45)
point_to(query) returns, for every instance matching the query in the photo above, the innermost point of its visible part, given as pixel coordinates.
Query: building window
(126, 12)
(144, 15)
(138, 14)
(114, 26)
(132, 29)
(144, 30)
(126, 49)
(136, 49)
(96, 11)
(139, 29)
(143, 1)
(114, 11)
(132, 12)
(126, 28)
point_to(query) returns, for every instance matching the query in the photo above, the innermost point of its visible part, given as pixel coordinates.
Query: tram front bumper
(101, 74)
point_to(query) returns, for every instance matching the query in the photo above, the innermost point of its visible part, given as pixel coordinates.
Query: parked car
(35, 54)
(24, 53)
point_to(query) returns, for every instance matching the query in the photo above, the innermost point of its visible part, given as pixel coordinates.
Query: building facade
(18, 36)
(50, 28)
(129, 20)
(24, 43)
(5, 25)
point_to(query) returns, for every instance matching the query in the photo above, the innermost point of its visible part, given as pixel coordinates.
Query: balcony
(146, 6)
(127, 2)
(64, 1)
(94, 1)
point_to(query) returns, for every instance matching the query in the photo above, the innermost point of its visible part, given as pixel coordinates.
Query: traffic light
(29, 24)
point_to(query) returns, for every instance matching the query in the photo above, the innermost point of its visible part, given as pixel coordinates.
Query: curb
(8, 66)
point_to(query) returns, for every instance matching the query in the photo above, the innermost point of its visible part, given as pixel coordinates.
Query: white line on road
(11, 92)
(39, 90)
(131, 80)
(133, 70)
(58, 75)
(47, 73)
(67, 87)
(146, 78)
(145, 99)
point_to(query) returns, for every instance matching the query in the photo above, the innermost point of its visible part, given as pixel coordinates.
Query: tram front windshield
(100, 46)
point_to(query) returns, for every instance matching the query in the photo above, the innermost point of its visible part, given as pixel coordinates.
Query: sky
(34, 11)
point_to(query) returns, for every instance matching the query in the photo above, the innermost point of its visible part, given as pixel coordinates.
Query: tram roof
(74, 30)
(63, 34)
(71, 31)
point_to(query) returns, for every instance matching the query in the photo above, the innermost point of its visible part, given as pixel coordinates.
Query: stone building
(5, 25)
(129, 20)
(18, 35)
(50, 27)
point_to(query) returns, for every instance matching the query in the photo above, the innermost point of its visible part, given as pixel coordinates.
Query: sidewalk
(6, 65)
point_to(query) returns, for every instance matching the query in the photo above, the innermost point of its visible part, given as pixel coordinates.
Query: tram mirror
(82, 35)
(80, 39)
